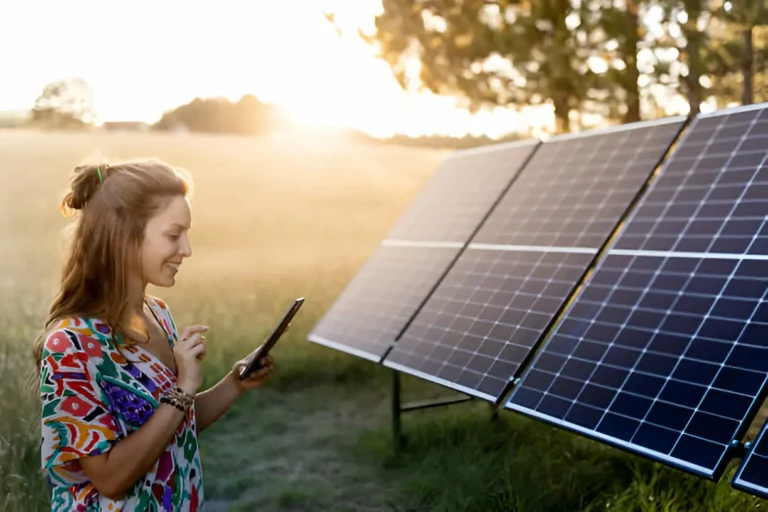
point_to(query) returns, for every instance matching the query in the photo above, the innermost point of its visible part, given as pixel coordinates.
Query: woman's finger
(261, 373)
(198, 350)
(192, 329)
(193, 340)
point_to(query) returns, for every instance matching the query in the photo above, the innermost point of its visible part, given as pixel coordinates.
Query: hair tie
(98, 170)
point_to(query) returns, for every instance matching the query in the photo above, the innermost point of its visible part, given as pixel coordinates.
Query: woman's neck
(137, 290)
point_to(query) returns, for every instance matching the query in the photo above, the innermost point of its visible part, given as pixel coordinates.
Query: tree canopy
(619, 59)
(64, 104)
(248, 116)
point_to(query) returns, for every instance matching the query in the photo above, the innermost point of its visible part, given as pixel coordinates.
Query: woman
(119, 384)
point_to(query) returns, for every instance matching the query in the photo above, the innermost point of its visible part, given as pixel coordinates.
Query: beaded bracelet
(177, 398)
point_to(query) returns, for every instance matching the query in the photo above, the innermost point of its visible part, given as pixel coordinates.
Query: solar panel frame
(731, 448)
(394, 358)
(754, 464)
(522, 151)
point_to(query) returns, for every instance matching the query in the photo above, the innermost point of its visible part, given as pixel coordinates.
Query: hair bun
(84, 182)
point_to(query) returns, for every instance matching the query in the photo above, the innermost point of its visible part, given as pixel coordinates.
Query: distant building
(126, 126)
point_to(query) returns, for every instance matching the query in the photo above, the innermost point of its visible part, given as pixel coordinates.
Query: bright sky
(145, 57)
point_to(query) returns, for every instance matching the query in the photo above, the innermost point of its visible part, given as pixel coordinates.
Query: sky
(142, 58)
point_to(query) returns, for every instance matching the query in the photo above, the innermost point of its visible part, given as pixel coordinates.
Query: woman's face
(166, 243)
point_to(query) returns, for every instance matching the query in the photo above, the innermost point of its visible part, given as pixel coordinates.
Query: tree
(619, 33)
(249, 116)
(743, 18)
(66, 103)
(510, 52)
(698, 55)
(728, 84)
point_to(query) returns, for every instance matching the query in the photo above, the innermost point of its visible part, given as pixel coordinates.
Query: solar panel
(461, 193)
(382, 297)
(663, 352)
(480, 324)
(752, 475)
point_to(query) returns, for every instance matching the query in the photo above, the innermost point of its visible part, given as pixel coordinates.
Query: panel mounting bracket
(398, 408)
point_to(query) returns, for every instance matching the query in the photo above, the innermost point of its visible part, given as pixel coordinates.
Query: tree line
(620, 60)
(67, 104)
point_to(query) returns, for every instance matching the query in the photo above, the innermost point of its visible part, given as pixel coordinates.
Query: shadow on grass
(461, 460)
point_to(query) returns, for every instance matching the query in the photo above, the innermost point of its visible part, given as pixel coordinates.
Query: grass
(274, 220)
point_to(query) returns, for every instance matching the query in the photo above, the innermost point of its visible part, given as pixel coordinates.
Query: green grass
(271, 222)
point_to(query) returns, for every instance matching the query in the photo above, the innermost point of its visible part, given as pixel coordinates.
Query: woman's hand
(188, 352)
(255, 379)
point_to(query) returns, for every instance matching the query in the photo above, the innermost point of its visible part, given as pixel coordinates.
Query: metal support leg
(396, 411)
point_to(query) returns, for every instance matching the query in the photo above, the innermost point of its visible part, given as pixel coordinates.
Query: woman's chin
(165, 280)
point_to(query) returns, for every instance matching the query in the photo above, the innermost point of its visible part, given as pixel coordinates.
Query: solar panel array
(494, 304)
(401, 272)
(664, 351)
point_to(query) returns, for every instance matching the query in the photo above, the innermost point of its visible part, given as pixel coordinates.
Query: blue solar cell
(664, 352)
(752, 475)
(480, 324)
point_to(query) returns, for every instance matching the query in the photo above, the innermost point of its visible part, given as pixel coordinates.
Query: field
(273, 220)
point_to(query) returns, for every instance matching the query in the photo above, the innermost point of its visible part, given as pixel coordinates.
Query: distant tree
(618, 34)
(728, 84)
(249, 116)
(743, 18)
(64, 104)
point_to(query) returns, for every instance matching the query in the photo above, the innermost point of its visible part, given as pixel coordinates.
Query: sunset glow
(146, 57)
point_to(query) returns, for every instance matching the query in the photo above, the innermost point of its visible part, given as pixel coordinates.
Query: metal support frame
(398, 408)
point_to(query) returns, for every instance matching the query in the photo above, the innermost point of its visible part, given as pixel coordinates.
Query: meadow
(272, 220)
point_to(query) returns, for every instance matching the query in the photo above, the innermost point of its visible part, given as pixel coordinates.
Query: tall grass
(272, 221)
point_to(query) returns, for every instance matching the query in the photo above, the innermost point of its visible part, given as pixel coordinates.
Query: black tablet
(253, 364)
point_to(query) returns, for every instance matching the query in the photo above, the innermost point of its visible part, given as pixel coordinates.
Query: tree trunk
(630, 60)
(562, 115)
(695, 66)
(747, 97)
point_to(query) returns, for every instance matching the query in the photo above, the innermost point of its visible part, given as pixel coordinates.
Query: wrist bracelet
(177, 398)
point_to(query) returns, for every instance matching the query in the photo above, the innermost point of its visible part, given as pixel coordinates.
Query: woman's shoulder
(77, 334)
(164, 311)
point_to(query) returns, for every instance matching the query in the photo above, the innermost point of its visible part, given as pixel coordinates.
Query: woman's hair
(111, 204)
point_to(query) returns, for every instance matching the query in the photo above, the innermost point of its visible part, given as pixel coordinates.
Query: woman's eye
(173, 237)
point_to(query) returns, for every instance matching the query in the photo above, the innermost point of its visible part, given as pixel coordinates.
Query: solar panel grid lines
(483, 319)
(575, 205)
(662, 352)
(392, 285)
(461, 192)
(752, 474)
(375, 305)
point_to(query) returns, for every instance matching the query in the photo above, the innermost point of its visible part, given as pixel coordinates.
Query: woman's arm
(212, 403)
(114, 472)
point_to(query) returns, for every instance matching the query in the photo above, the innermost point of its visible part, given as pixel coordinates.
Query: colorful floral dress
(92, 397)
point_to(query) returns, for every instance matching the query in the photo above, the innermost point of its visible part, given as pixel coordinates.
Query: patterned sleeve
(75, 420)
(168, 322)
